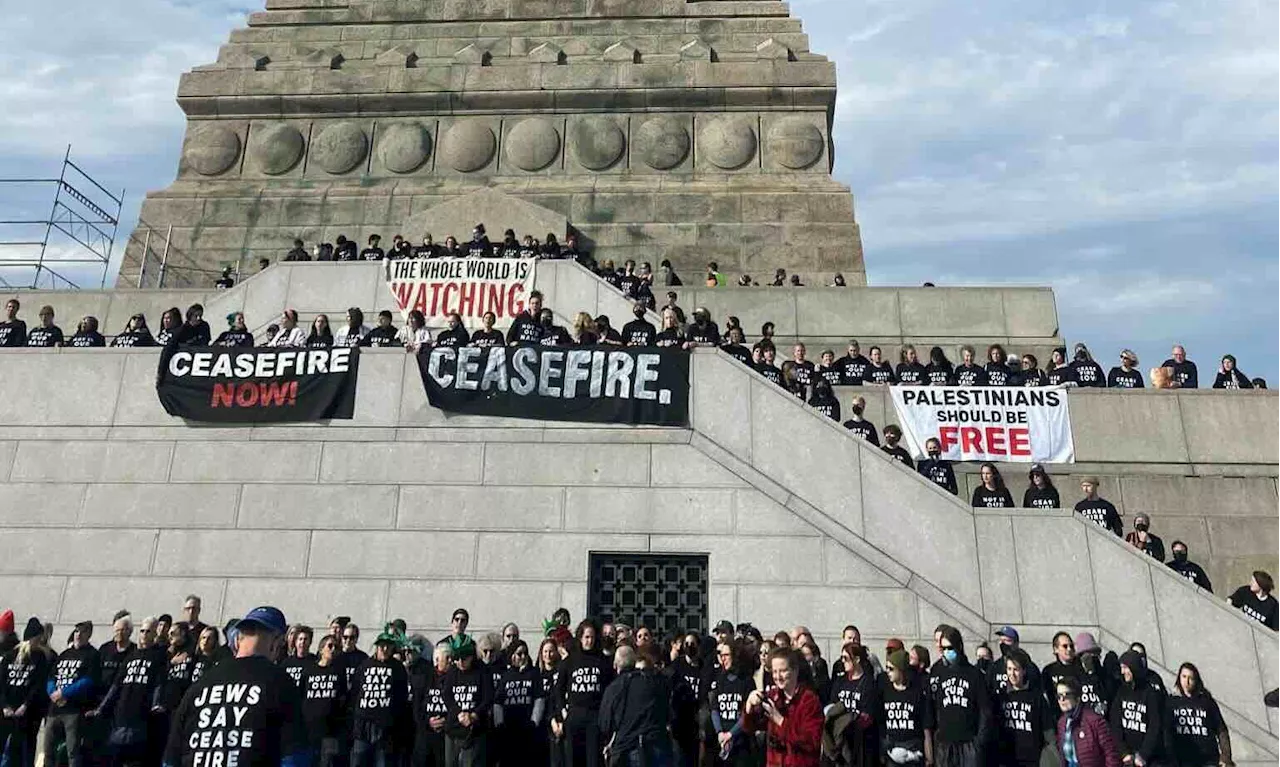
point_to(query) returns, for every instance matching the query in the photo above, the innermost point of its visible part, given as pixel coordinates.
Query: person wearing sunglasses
(1083, 738)
(352, 656)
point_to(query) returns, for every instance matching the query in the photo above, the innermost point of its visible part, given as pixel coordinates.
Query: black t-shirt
(524, 329)
(879, 374)
(727, 694)
(668, 338)
(518, 690)
(1261, 610)
(1034, 377)
(900, 454)
(581, 683)
(351, 661)
(528, 251)
(383, 337)
(192, 335)
(832, 375)
(44, 337)
(852, 369)
(324, 696)
(864, 429)
(992, 499)
(138, 682)
(1060, 375)
(937, 375)
(738, 352)
(1119, 378)
(76, 672)
(87, 339)
(1089, 374)
(177, 681)
(708, 334)
(770, 372)
(857, 695)
(372, 254)
(295, 667)
(133, 338)
(13, 333)
(969, 375)
(554, 335)
(911, 374)
(487, 338)
(804, 372)
(325, 341)
(628, 283)
(639, 332)
(959, 699)
(1041, 498)
(1194, 724)
(904, 715)
(380, 692)
(1024, 717)
(23, 682)
(1192, 572)
(828, 406)
(509, 249)
(480, 248)
(1101, 512)
(999, 375)
(246, 712)
(234, 338)
(110, 659)
(471, 691)
(1184, 373)
(426, 251)
(939, 472)
(453, 337)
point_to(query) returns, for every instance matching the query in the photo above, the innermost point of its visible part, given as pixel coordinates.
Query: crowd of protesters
(261, 692)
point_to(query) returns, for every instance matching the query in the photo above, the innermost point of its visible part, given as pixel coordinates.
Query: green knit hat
(899, 660)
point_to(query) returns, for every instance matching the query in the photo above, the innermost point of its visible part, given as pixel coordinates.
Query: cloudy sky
(1123, 152)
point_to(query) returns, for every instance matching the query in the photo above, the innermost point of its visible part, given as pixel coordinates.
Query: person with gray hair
(131, 702)
(1126, 375)
(510, 633)
(635, 713)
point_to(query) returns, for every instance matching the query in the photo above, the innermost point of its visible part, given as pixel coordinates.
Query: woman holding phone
(790, 713)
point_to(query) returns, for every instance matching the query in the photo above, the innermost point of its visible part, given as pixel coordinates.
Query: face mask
(1142, 527)
(935, 453)
(950, 655)
(857, 409)
(1179, 556)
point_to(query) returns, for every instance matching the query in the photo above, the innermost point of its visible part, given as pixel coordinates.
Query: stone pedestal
(694, 131)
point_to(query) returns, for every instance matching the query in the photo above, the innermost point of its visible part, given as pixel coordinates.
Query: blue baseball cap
(269, 618)
(1008, 631)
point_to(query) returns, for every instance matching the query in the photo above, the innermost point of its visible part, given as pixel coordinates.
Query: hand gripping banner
(438, 287)
(258, 385)
(1011, 424)
(600, 384)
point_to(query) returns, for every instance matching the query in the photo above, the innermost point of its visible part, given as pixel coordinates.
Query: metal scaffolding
(75, 240)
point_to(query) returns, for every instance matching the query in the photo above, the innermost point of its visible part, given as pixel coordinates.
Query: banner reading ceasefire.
(258, 385)
(1010, 424)
(438, 287)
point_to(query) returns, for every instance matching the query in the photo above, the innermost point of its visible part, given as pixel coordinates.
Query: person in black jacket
(1137, 713)
(968, 372)
(134, 699)
(860, 426)
(236, 334)
(1058, 372)
(584, 675)
(195, 331)
(962, 706)
(1098, 510)
(635, 711)
(727, 693)
(938, 371)
(992, 493)
(1125, 375)
(1040, 494)
(523, 705)
(71, 688)
(1088, 374)
(13, 331)
(937, 469)
(525, 328)
(1186, 568)
(999, 373)
(469, 703)
(324, 701)
(87, 335)
(1229, 376)
(1197, 734)
(1026, 718)
(639, 332)
(379, 704)
(909, 371)
(1031, 374)
(45, 335)
(906, 718)
(892, 437)
(1185, 375)
(24, 673)
(135, 333)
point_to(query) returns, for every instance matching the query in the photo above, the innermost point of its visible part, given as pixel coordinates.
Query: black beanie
(33, 629)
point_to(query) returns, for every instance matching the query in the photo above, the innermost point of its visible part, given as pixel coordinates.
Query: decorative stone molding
(728, 142)
(548, 53)
(598, 142)
(622, 52)
(404, 147)
(246, 60)
(340, 148)
(662, 143)
(212, 150)
(795, 143)
(473, 54)
(697, 50)
(399, 57)
(772, 49)
(533, 144)
(468, 146)
(274, 148)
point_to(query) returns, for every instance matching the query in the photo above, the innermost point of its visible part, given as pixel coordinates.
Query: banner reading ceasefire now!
(438, 287)
(1012, 424)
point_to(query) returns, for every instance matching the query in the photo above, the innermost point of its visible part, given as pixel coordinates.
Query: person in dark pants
(24, 671)
(584, 675)
(962, 706)
(635, 712)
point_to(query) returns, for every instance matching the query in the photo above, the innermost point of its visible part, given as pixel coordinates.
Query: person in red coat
(790, 710)
(1084, 739)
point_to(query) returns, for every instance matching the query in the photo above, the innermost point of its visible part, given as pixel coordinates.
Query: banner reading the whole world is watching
(438, 287)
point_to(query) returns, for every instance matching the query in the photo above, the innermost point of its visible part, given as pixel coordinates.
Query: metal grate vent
(666, 592)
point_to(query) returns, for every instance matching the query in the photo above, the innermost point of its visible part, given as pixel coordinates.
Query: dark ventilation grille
(666, 592)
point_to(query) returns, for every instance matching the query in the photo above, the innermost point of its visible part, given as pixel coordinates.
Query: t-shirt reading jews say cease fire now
(76, 666)
(245, 712)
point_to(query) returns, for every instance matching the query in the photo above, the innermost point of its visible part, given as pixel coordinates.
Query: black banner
(600, 384)
(258, 385)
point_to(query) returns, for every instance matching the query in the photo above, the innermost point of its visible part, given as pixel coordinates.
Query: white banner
(438, 287)
(1006, 423)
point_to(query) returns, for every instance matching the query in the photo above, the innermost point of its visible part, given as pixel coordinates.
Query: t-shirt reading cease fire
(245, 712)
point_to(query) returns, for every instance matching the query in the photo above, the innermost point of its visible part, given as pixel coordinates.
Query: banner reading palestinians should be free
(438, 287)
(258, 385)
(1011, 424)
(597, 384)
